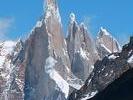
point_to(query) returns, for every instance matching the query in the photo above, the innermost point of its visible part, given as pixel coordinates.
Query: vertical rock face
(106, 43)
(57, 43)
(81, 49)
(11, 70)
(48, 70)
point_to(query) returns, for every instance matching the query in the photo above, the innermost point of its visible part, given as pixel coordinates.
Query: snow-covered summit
(103, 31)
(72, 17)
(106, 43)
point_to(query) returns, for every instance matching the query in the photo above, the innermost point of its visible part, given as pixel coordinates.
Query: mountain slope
(120, 89)
(105, 72)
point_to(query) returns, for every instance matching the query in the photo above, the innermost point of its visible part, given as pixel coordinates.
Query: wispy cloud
(87, 21)
(5, 25)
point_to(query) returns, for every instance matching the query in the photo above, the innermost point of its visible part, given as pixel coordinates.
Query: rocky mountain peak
(51, 10)
(106, 43)
(80, 49)
(47, 58)
(50, 5)
(103, 32)
(49, 67)
(72, 17)
(105, 72)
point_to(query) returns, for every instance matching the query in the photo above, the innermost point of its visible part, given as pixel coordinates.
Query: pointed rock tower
(48, 71)
(106, 43)
(105, 72)
(81, 49)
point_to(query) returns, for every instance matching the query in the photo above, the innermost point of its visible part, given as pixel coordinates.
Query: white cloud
(5, 25)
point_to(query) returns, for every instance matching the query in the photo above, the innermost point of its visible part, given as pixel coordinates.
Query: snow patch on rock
(83, 53)
(76, 85)
(113, 56)
(72, 17)
(7, 47)
(102, 45)
(130, 60)
(104, 31)
(88, 96)
(39, 23)
(61, 83)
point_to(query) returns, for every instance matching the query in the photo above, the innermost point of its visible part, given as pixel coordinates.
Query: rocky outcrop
(120, 89)
(105, 72)
(106, 43)
(81, 49)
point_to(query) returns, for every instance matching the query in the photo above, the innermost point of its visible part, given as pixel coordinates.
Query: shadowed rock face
(81, 49)
(120, 89)
(105, 72)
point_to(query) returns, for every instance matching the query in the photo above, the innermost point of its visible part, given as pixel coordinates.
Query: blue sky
(17, 17)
